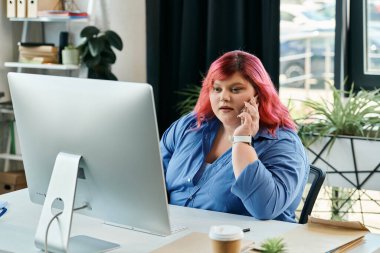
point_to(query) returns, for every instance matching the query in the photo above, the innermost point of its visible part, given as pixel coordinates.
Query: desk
(17, 227)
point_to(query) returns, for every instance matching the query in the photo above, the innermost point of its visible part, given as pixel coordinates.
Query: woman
(238, 151)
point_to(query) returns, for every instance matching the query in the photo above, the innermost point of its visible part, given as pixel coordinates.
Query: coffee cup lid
(226, 233)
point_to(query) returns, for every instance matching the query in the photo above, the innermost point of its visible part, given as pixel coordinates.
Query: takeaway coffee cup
(226, 238)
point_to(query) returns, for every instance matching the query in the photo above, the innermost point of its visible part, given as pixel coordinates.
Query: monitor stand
(62, 188)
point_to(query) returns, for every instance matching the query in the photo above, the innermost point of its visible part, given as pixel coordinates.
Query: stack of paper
(195, 242)
(62, 14)
(38, 54)
(324, 236)
(318, 236)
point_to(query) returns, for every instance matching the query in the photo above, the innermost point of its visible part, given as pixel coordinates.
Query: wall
(127, 18)
(7, 47)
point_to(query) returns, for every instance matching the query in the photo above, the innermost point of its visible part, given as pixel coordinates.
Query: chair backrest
(315, 180)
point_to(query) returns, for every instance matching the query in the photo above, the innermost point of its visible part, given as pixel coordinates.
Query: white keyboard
(174, 228)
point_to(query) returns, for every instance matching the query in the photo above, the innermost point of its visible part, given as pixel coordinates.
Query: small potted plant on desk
(96, 52)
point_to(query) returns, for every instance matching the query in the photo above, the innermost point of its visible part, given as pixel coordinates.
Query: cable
(3, 211)
(55, 217)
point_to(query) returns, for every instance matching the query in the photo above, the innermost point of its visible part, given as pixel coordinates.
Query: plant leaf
(91, 61)
(114, 39)
(89, 32)
(108, 56)
(350, 113)
(111, 76)
(83, 45)
(96, 46)
(273, 245)
(83, 52)
(190, 95)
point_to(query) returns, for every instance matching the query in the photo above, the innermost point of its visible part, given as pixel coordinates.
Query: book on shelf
(38, 49)
(30, 52)
(63, 14)
(11, 9)
(34, 44)
(38, 59)
(48, 54)
(34, 6)
(21, 8)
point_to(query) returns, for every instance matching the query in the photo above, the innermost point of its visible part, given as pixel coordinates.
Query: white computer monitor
(111, 128)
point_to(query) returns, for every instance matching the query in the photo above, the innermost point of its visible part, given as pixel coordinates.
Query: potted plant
(190, 96)
(96, 52)
(70, 55)
(273, 245)
(342, 136)
(349, 114)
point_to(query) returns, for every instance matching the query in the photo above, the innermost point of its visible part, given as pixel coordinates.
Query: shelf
(41, 66)
(10, 157)
(52, 19)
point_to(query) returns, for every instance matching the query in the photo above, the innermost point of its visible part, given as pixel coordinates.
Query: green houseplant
(273, 245)
(96, 52)
(348, 114)
(342, 136)
(190, 96)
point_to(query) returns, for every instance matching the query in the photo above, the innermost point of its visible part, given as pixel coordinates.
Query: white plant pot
(340, 161)
(70, 57)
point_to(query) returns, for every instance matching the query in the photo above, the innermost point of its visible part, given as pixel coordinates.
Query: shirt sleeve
(172, 136)
(167, 145)
(269, 185)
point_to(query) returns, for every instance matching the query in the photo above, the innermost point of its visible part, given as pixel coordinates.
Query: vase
(70, 57)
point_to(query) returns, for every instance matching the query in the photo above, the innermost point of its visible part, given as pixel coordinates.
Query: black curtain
(185, 36)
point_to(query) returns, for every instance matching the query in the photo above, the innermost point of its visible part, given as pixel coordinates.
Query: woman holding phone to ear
(238, 151)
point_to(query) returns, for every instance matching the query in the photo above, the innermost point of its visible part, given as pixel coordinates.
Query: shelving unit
(25, 29)
(20, 66)
(10, 157)
(41, 66)
(7, 157)
(51, 19)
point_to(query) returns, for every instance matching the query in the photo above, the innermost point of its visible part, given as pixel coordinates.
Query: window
(372, 56)
(307, 39)
(364, 42)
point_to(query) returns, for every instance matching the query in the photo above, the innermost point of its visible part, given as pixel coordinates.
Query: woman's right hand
(250, 118)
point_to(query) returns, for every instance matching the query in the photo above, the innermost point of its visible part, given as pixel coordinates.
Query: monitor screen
(112, 126)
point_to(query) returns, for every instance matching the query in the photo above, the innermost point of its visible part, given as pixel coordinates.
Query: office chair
(315, 180)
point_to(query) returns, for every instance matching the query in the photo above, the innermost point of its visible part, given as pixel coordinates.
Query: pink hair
(272, 112)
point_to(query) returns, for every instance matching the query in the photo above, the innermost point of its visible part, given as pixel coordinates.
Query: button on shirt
(269, 188)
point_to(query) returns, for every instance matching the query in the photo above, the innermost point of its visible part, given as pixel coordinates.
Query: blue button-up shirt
(269, 188)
